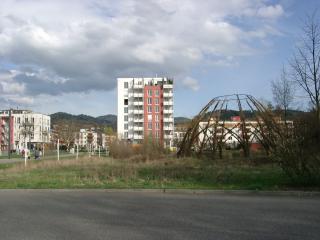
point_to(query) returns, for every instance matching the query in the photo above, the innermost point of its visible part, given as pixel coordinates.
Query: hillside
(89, 121)
(84, 120)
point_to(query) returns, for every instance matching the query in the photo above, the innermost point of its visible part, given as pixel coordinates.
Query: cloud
(191, 83)
(60, 47)
(271, 12)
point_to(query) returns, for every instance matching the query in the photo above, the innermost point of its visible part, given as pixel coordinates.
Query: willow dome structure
(211, 130)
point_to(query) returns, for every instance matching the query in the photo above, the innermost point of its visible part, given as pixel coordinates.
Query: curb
(183, 191)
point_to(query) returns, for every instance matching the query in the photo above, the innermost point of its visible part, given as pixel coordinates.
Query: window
(156, 109)
(157, 117)
(126, 118)
(149, 92)
(125, 134)
(149, 109)
(125, 109)
(157, 125)
(149, 100)
(157, 92)
(125, 101)
(126, 126)
(18, 120)
(126, 85)
(149, 125)
(156, 101)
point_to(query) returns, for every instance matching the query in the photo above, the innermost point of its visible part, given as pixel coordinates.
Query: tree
(306, 62)
(66, 132)
(109, 131)
(283, 92)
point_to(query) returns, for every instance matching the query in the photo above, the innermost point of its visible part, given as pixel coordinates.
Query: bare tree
(66, 132)
(283, 92)
(306, 62)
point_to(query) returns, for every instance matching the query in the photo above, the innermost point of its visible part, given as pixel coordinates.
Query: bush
(120, 149)
(148, 150)
(297, 150)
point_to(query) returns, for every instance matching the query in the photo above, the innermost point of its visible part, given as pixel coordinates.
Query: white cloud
(191, 83)
(270, 12)
(71, 46)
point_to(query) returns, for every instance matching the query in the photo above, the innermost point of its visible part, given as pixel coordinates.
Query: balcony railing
(168, 119)
(168, 103)
(168, 86)
(167, 111)
(168, 136)
(140, 111)
(137, 136)
(167, 94)
(138, 119)
(137, 86)
(168, 128)
(137, 94)
(138, 128)
(137, 103)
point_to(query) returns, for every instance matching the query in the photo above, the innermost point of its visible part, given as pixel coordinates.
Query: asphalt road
(86, 214)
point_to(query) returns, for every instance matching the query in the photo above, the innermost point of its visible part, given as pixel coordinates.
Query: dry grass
(149, 150)
(137, 173)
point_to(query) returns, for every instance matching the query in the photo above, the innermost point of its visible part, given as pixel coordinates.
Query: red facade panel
(153, 99)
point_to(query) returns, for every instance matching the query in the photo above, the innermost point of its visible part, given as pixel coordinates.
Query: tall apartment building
(27, 129)
(145, 109)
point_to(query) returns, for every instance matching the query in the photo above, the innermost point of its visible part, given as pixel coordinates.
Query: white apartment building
(87, 137)
(145, 109)
(230, 131)
(27, 129)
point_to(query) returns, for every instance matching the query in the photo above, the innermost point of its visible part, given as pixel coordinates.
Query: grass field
(163, 173)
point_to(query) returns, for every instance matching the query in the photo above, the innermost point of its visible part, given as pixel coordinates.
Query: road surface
(95, 214)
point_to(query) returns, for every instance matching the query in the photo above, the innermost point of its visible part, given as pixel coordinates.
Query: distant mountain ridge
(110, 120)
(85, 120)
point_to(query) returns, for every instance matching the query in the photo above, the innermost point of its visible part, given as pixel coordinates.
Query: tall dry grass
(148, 150)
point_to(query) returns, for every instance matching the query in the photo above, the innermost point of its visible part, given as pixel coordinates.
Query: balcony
(140, 111)
(138, 86)
(168, 136)
(167, 111)
(168, 103)
(138, 137)
(168, 128)
(137, 94)
(138, 128)
(167, 94)
(138, 120)
(168, 119)
(167, 86)
(137, 103)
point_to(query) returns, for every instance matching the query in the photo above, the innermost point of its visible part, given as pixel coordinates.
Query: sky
(65, 56)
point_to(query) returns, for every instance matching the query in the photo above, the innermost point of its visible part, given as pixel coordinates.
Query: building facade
(87, 138)
(27, 129)
(145, 110)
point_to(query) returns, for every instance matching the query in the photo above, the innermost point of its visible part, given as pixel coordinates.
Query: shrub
(148, 150)
(297, 150)
(120, 149)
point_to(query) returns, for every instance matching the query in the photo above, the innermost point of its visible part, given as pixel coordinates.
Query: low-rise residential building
(87, 138)
(23, 129)
(232, 132)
